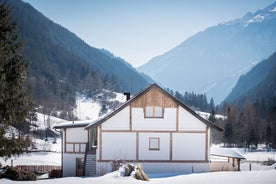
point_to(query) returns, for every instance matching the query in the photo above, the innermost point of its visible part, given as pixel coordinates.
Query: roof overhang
(72, 124)
(223, 152)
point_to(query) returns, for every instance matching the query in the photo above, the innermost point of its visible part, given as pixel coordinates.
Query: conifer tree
(212, 117)
(15, 102)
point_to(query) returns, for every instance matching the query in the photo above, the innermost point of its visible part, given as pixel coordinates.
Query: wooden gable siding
(154, 97)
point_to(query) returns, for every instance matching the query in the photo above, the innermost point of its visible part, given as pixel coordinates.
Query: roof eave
(70, 126)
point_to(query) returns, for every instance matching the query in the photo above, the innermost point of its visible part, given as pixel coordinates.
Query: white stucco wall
(69, 164)
(141, 123)
(188, 146)
(209, 143)
(188, 122)
(118, 145)
(146, 154)
(76, 135)
(118, 122)
(161, 167)
(103, 168)
(168, 167)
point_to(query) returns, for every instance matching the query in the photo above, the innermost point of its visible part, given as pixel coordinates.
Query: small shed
(233, 158)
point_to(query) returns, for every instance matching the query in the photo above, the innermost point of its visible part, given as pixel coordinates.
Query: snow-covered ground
(255, 159)
(257, 155)
(89, 108)
(35, 158)
(252, 177)
(206, 115)
(49, 154)
(44, 121)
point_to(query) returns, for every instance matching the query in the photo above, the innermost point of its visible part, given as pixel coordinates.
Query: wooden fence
(40, 169)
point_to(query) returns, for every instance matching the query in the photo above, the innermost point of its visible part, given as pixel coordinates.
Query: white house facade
(151, 128)
(74, 143)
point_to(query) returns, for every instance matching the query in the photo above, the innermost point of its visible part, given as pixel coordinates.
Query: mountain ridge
(62, 37)
(258, 85)
(211, 57)
(62, 64)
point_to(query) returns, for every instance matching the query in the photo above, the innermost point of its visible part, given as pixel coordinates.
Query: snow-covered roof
(222, 152)
(73, 124)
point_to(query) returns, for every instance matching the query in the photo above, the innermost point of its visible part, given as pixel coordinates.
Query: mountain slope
(211, 61)
(62, 64)
(258, 85)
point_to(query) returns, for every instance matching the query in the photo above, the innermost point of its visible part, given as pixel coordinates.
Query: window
(149, 111)
(75, 147)
(154, 143)
(154, 112)
(158, 112)
(69, 148)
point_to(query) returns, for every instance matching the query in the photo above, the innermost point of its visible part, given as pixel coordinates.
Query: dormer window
(154, 112)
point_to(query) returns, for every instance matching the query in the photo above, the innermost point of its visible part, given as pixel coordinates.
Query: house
(152, 128)
(74, 144)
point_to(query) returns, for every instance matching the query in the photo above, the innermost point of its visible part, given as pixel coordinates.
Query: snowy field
(51, 155)
(89, 108)
(252, 177)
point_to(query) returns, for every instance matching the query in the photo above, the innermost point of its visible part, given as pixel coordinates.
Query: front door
(79, 166)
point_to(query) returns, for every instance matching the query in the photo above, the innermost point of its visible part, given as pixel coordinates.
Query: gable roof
(142, 92)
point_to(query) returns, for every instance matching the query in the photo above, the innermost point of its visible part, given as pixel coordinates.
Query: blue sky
(138, 30)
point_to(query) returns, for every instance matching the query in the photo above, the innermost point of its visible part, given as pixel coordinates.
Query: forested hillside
(251, 107)
(257, 86)
(61, 64)
(194, 101)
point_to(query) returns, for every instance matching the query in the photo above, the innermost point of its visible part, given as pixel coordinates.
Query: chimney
(127, 94)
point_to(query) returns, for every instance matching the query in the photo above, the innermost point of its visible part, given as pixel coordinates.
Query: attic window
(154, 112)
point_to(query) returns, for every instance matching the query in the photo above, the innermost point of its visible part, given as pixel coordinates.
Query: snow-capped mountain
(211, 61)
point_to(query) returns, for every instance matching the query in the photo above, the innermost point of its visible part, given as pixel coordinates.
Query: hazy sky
(138, 30)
